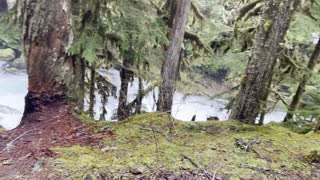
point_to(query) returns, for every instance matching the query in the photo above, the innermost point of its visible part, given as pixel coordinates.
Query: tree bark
(276, 18)
(125, 75)
(302, 85)
(170, 67)
(53, 75)
(3, 5)
(92, 90)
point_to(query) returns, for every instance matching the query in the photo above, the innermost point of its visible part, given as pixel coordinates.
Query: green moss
(302, 28)
(96, 125)
(267, 25)
(154, 141)
(313, 157)
(6, 54)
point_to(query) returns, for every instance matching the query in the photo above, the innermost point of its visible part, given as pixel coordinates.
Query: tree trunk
(125, 75)
(92, 90)
(170, 67)
(317, 126)
(3, 5)
(302, 85)
(53, 75)
(270, 34)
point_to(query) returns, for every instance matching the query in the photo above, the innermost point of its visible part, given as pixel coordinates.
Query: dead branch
(197, 11)
(10, 144)
(189, 159)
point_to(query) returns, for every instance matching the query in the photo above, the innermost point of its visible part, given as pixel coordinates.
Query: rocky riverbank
(11, 59)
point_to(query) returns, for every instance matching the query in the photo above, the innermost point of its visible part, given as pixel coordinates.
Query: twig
(215, 173)
(192, 162)
(248, 146)
(280, 97)
(10, 144)
(156, 141)
(260, 169)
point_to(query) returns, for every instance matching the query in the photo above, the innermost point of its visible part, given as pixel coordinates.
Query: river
(13, 88)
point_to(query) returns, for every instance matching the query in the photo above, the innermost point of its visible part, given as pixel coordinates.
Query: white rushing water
(13, 88)
(184, 107)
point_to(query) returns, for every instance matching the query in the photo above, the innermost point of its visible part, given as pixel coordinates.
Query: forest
(160, 89)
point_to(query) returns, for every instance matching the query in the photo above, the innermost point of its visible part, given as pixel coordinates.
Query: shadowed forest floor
(154, 146)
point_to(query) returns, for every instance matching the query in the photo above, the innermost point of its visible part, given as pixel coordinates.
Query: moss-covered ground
(154, 142)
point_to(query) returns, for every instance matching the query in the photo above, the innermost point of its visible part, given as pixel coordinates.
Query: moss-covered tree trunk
(170, 66)
(3, 5)
(302, 85)
(53, 75)
(270, 34)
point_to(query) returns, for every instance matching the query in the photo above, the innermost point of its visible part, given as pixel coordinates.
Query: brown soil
(55, 125)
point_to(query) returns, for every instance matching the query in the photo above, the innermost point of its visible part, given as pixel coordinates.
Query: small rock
(213, 118)
(196, 172)
(106, 149)
(38, 166)
(7, 54)
(6, 163)
(18, 64)
(88, 177)
(135, 172)
(172, 177)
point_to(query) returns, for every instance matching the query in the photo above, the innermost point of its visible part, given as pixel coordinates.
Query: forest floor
(23, 150)
(154, 146)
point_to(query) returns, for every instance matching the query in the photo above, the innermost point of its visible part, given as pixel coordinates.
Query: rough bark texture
(3, 5)
(125, 75)
(302, 85)
(253, 93)
(170, 67)
(53, 74)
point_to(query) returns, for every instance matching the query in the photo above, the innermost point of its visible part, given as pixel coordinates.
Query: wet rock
(15, 65)
(194, 118)
(18, 64)
(7, 54)
(213, 118)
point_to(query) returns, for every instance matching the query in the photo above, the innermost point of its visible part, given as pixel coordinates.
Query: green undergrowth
(154, 142)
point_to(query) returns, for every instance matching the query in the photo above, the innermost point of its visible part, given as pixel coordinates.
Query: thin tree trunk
(254, 92)
(53, 75)
(302, 85)
(170, 67)
(3, 5)
(317, 126)
(92, 90)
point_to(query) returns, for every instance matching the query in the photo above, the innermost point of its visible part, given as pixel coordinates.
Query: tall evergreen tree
(254, 90)
(302, 85)
(53, 74)
(170, 66)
